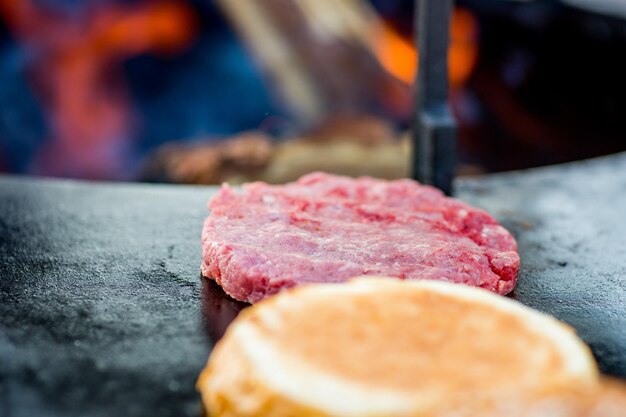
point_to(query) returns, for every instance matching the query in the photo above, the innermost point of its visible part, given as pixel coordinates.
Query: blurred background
(205, 91)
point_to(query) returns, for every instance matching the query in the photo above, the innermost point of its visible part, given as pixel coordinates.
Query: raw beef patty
(327, 228)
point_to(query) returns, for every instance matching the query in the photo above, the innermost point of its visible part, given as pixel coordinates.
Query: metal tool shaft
(434, 135)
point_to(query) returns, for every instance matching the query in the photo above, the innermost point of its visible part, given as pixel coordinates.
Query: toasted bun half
(385, 347)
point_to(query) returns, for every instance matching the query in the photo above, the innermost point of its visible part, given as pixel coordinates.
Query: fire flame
(399, 57)
(73, 70)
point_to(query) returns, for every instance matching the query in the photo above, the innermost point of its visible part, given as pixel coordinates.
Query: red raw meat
(327, 228)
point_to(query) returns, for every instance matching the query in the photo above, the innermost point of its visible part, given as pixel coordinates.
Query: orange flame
(74, 73)
(399, 57)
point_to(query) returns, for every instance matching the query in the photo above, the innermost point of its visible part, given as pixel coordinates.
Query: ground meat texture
(327, 228)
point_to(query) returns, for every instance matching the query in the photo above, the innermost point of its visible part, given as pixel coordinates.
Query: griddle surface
(103, 311)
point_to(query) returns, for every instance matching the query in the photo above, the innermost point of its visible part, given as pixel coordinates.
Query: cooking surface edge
(103, 311)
